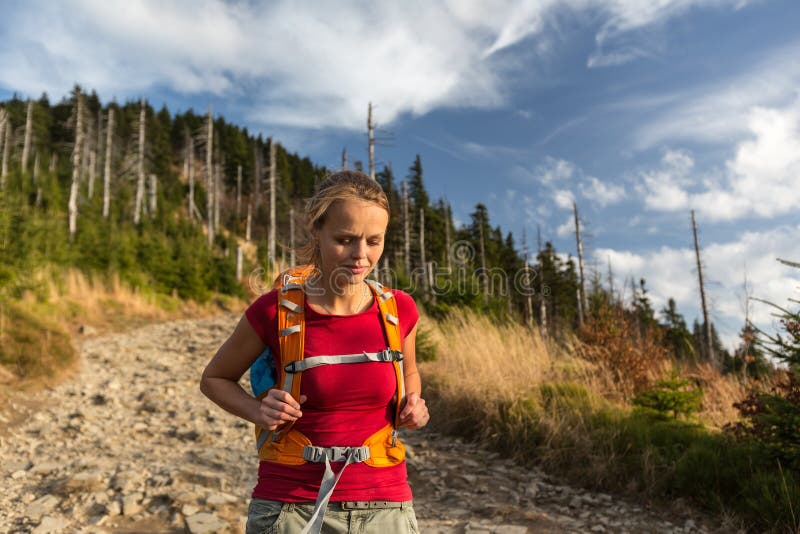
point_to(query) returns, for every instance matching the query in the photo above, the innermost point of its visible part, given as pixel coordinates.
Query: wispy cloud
(304, 65)
(760, 180)
(719, 112)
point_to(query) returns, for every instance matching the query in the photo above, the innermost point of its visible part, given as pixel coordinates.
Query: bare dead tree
(485, 278)
(26, 147)
(344, 159)
(6, 149)
(258, 176)
(193, 211)
(529, 299)
(272, 194)
(292, 257)
(406, 231)
(584, 301)
(371, 135)
(72, 205)
(210, 178)
(217, 191)
(703, 302)
(107, 164)
(153, 194)
(53, 162)
(422, 250)
(238, 262)
(542, 303)
(92, 169)
(140, 184)
(248, 223)
(238, 194)
(447, 216)
(36, 184)
(98, 147)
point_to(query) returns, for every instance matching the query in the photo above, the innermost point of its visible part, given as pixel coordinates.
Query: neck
(341, 299)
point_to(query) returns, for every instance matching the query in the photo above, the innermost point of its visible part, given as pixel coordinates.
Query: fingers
(278, 407)
(415, 413)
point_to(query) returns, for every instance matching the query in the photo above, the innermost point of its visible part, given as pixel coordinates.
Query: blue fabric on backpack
(262, 373)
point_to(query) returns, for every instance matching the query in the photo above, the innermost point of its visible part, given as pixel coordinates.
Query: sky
(637, 110)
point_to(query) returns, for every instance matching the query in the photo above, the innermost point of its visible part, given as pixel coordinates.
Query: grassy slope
(541, 404)
(37, 332)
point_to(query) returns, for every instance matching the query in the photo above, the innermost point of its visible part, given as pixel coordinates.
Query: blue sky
(638, 110)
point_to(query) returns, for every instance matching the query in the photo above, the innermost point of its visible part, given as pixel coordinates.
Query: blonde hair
(342, 185)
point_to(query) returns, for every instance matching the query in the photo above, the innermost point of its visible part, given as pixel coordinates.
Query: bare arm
(415, 413)
(220, 381)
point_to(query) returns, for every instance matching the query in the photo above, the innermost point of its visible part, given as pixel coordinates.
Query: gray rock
(510, 529)
(50, 524)
(204, 523)
(41, 506)
(131, 504)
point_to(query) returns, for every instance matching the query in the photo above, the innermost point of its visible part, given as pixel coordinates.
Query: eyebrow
(351, 234)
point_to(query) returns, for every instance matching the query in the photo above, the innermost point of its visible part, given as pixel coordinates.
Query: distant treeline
(126, 180)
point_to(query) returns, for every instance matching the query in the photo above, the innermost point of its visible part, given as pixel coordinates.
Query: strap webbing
(329, 481)
(387, 355)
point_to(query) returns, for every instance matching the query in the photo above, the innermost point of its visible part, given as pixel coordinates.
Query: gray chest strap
(387, 355)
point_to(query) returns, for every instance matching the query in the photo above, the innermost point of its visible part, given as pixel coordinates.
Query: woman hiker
(330, 457)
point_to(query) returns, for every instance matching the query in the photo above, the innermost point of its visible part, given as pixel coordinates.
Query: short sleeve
(263, 317)
(407, 311)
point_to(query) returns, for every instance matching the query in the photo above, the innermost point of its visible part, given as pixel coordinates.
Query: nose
(360, 249)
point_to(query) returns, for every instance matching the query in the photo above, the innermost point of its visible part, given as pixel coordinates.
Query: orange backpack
(286, 445)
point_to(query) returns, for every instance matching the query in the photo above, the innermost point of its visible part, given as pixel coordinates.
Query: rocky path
(130, 445)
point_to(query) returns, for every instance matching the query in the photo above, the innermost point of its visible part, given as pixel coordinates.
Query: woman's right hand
(277, 408)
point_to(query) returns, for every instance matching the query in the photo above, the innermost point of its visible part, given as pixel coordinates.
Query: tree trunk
(528, 281)
(422, 250)
(238, 195)
(709, 345)
(53, 162)
(6, 152)
(447, 219)
(76, 168)
(153, 194)
(26, 148)
(542, 303)
(584, 301)
(190, 175)
(371, 135)
(292, 258)
(238, 262)
(36, 184)
(248, 224)
(485, 278)
(272, 188)
(217, 193)
(210, 179)
(3, 120)
(107, 164)
(137, 212)
(406, 232)
(92, 167)
(257, 177)
(344, 159)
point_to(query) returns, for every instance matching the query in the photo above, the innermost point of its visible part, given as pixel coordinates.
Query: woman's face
(351, 241)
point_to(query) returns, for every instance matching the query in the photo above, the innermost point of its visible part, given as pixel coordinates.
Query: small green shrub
(670, 399)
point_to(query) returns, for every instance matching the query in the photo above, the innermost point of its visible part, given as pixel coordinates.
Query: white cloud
(567, 227)
(564, 199)
(671, 272)
(309, 64)
(760, 180)
(602, 193)
(719, 112)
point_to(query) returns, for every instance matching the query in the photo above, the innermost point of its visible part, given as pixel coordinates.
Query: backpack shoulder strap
(291, 329)
(391, 327)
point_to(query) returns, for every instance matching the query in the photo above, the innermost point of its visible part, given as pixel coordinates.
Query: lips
(357, 269)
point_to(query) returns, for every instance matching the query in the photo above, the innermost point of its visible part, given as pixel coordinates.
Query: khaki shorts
(274, 517)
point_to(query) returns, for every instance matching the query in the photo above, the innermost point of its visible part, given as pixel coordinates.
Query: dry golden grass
(482, 363)
(62, 304)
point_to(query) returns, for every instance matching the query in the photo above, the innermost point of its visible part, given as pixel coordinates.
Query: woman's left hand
(415, 413)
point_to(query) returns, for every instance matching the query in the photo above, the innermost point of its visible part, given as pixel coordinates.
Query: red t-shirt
(346, 403)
